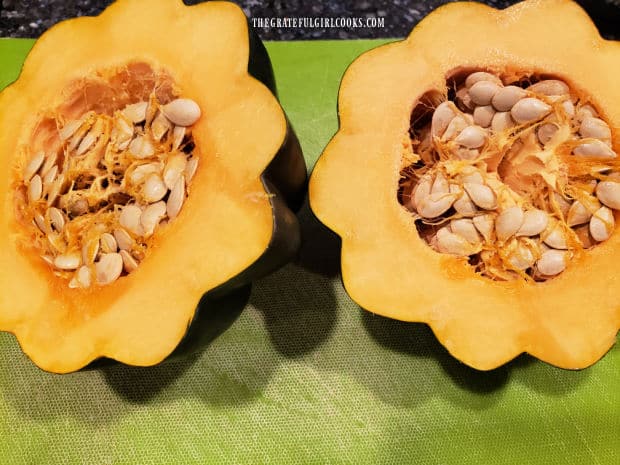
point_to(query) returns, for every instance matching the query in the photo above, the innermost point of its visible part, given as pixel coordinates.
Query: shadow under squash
(213, 317)
(298, 301)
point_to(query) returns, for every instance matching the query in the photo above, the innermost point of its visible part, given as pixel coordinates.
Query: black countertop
(30, 18)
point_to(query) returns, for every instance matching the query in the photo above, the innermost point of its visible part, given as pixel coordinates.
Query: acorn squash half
(411, 143)
(146, 162)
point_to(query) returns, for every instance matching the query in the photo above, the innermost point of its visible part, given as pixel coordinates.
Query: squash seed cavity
(517, 176)
(107, 178)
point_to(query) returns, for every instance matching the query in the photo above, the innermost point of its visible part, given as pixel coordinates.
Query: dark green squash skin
(285, 179)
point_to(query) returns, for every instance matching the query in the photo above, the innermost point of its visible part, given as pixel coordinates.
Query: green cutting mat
(304, 376)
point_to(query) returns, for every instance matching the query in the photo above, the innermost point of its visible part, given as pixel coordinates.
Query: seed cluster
(115, 179)
(517, 176)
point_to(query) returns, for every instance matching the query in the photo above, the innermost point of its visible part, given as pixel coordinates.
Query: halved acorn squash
(144, 164)
(488, 215)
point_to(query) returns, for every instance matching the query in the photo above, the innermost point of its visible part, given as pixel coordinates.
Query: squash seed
(434, 205)
(608, 192)
(602, 224)
(552, 262)
(448, 242)
(35, 189)
(465, 228)
(442, 116)
(154, 188)
(481, 195)
(130, 219)
(549, 87)
(190, 169)
(594, 148)
(136, 112)
(108, 243)
(472, 137)
(508, 223)
(123, 239)
(182, 111)
(178, 133)
(506, 97)
(141, 147)
(482, 92)
(174, 168)
(529, 109)
(151, 216)
(534, 222)
(176, 198)
(109, 268)
(33, 166)
(57, 218)
(67, 261)
(484, 115)
(129, 263)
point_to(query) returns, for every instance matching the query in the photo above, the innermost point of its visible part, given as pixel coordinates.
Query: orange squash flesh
(226, 223)
(570, 321)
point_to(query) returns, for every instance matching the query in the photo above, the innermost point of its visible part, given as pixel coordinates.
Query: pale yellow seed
(190, 169)
(482, 92)
(141, 147)
(57, 218)
(159, 126)
(484, 115)
(421, 191)
(529, 109)
(580, 213)
(35, 188)
(472, 137)
(440, 185)
(534, 222)
(442, 116)
(549, 87)
(546, 132)
(608, 192)
(108, 268)
(552, 262)
(450, 243)
(123, 239)
(556, 237)
(506, 97)
(484, 224)
(182, 111)
(477, 76)
(176, 199)
(465, 228)
(174, 168)
(136, 112)
(129, 263)
(154, 188)
(502, 121)
(151, 216)
(594, 148)
(178, 133)
(602, 224)
(130, 219)
(33, 166)
(595, 128)
(457, 124)
(108, 243)
(509, 222)
(83, 277)
(482, 195)
(67, 261)
(140, 173)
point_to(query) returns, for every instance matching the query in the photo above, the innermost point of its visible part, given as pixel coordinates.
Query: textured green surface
(304, 376)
